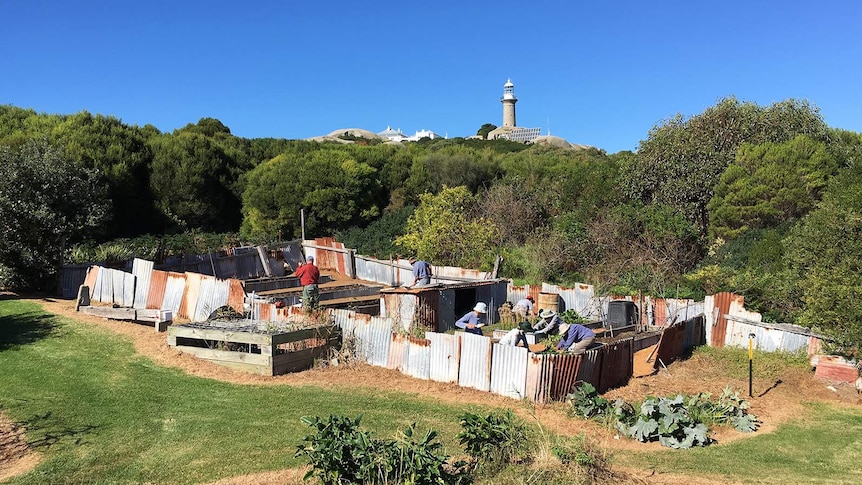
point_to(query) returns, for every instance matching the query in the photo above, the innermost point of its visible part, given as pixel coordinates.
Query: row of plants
(497, 447)
(675, 422)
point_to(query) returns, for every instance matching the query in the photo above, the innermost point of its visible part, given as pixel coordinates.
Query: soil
(773, 402)
(16, 456)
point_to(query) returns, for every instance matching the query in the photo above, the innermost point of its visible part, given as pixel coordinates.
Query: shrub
(494, 440)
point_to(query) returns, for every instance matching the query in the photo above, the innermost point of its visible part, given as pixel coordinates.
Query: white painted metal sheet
(445, 356)
(475, 368)
(418, 361)
(509, 371)
(174, 289)
(143, 271)
(119, 280)
(128, 290)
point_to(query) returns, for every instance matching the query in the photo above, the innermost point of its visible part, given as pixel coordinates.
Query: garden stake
(750, 362)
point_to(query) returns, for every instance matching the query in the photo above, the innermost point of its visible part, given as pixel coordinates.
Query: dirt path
(780, 402)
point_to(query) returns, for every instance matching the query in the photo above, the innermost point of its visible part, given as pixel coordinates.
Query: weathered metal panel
(103, 291)
(128, 298)
(190, 297)
(590, 368)
(143, 271)
(694, 333)
(581, 298)
(617, 364)
(119, 281)
(475, 369)
(156, 293)
(377, 340)
(174, 288)
(538, 377)
(90, 281)
(72, 276)
(445, 356)
(398, 351)
(722, 302)
(236, 295)
(768, 337)
(509, 371)
(204, 307)
(379, 271)
(429, 309)
(401, 308)
(447, 317)
(564, 375)
(418, 363)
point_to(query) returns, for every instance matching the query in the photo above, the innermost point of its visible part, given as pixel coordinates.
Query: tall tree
(46, 204)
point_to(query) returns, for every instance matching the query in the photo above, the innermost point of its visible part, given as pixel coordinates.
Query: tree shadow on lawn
(24, 328)
(46, 430)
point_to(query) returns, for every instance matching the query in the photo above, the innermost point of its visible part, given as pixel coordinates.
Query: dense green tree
(441, 231)
(769, 184)
(378, 238)
(193, 180)
(681, 161)
(46, 204)
(825, 251)
(336, 191)
(485, 129)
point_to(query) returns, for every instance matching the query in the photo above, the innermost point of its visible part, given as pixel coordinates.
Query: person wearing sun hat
(576, 338)
(549, 322)
(517, 335)
(474, 320)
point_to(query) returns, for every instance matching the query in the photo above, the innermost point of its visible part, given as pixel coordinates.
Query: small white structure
(423, 134)
(392, 135)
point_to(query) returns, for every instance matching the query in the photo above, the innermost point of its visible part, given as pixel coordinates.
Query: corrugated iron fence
(475, 361)
(187, 295)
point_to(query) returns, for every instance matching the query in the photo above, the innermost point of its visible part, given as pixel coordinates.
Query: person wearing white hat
(549, 323)
(473, 321)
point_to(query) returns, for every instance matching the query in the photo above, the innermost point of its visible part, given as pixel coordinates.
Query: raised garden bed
(266, 348)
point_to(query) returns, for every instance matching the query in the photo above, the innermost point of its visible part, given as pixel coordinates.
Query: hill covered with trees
(765, 201)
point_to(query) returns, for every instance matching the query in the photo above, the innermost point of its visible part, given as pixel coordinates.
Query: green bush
(495, 440)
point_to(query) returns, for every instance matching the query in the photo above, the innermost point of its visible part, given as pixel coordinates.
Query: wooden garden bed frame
(273, 358)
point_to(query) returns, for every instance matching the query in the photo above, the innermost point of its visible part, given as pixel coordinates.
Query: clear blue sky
(596, 73)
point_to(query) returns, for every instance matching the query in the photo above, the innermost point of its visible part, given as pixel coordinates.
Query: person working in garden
(309, 278)
(549, 324)
(576, 338)
(473, 321)
(517, 335)
(421, 272)
(524, 307)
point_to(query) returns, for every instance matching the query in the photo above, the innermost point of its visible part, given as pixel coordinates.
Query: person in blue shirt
(576, 338)
(549, 323)
(475, 320)
(421, 272)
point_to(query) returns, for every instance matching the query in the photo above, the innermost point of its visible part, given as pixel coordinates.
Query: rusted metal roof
(509, 371)
(475, 369)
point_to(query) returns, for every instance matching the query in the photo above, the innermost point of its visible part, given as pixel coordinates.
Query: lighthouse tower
(509, 101)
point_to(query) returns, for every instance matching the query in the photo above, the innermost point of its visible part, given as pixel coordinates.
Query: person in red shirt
(309, 278)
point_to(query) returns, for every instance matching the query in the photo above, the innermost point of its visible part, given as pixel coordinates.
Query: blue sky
(596, 73)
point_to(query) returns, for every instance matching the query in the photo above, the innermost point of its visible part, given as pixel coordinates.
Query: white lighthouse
(509, 101)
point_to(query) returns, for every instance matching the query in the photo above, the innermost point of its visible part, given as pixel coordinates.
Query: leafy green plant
(586, 401)
(494, 440)
(341, 453)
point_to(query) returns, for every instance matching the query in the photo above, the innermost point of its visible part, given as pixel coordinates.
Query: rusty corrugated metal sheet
(429, 310)
(236, 295)
(156, 293)
(659, 312)
(398, 351)
(445, 356)
(770, 337)
(143, 271)
(694, 333)
(376, 339)
(172, 294)
(190, 296)
(401, 308)
(379, 271)
(721, 304)
(617, 364)
(418, 363)
(581, 298)
(509, 371)
(590, 369)
(90, 279)
(564, 375)
(204, 306)
(516, 293)
(538, 378)
(475, 369)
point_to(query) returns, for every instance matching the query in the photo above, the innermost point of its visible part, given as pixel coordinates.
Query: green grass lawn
(101, 413)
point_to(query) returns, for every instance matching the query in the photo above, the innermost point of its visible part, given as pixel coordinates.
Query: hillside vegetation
(761, 200)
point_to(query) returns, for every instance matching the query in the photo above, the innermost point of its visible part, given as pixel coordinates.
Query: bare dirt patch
(773, 402)
(16, 456)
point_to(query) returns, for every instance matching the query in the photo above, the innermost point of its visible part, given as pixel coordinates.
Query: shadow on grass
(24, 328)
(44, 430)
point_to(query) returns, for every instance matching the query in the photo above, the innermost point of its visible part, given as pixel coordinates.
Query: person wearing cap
(309, 278)
(524, 307)
(576, 338)
(421, 272)
(473, 321)
(549, 324)
(517, 335)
